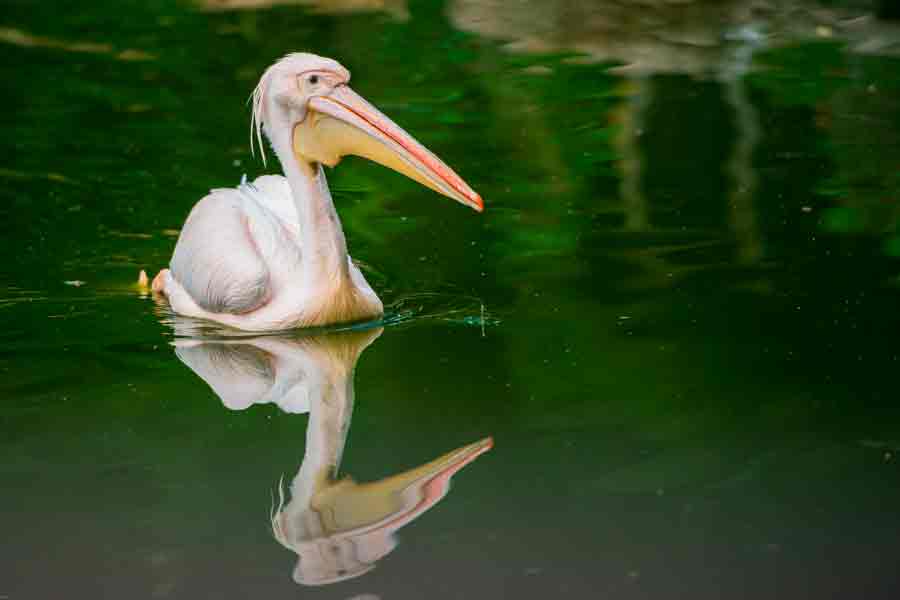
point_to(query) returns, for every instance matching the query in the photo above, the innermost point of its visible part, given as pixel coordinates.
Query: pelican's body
(240, 261)
(271, 254)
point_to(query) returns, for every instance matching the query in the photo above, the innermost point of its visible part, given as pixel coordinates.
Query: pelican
(271, 254)
(338, 527)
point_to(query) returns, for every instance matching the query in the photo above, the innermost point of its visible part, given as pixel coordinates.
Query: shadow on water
(410, 309)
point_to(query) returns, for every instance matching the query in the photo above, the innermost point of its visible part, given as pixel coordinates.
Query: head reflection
(339, 528)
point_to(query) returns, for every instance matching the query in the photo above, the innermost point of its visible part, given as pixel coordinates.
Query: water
(677, 318)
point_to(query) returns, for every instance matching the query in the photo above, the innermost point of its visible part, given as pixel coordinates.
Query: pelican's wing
(217, 260)
(274, 193)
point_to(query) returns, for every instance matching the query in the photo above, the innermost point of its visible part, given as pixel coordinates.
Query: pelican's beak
(344, 123)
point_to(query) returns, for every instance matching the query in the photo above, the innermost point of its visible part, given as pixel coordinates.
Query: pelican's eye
(313, 79)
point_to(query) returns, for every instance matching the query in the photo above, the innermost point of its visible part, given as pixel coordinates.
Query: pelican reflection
(337, 527)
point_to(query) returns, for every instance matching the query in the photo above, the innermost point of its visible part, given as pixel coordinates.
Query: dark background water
(678, 316)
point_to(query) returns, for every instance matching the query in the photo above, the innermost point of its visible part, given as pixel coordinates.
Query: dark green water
(678, 316)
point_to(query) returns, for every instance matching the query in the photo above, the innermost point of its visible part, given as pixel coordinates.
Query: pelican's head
(306, 107)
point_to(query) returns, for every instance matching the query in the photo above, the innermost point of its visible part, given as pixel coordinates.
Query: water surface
(677, 317)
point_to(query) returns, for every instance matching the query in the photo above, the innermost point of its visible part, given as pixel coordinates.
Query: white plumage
(271, 254)
(239, 260)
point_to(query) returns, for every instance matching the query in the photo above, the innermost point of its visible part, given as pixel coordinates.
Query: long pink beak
(387, 143)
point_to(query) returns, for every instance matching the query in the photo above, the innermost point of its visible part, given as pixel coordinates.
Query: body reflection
(339, 528)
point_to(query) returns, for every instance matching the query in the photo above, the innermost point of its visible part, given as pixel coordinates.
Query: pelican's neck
(322, 238)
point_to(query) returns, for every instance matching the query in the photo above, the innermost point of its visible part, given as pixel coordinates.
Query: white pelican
(272, 255)
(339, 528)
